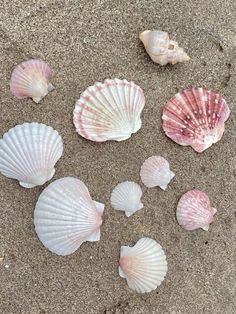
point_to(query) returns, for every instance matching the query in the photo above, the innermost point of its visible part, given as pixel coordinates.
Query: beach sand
(88, 41)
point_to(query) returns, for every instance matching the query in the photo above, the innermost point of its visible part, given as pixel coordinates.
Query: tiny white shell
(144, 265)
(31, 79)
(155, 171)
(109, 111)
(29, 152)
(65, 216)
(127, 197)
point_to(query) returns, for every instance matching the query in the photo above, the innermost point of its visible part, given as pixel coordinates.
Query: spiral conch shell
(161, 49)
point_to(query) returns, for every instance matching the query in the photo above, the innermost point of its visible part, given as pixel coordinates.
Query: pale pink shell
(155, 171)
(31, 79)
(109, 111)
(194, 211)
(195, 117)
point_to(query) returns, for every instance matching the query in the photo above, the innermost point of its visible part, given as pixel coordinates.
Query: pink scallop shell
(109, 110)
(194, 211)
(155, 171)
(195, 117)
(31, 79)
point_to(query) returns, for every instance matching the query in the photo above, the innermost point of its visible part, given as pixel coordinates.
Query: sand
(87, 41)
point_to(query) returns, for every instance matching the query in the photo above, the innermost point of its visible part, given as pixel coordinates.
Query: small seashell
(127, 197)
(65, 216)
(194, 211)
(161, 49)
(109, 111)
(155, 171)
(144, 265)
(195, 117)
(31, 79)
(29, 152)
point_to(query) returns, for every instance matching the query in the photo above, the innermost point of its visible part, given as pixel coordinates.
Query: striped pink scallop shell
(194, 211)
(109, 111)
(31, 79)
(195, 117)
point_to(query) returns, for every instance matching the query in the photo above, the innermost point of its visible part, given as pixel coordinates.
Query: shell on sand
(109, 111)
(65, 216)
(144, 265)
(195, 117)
(31, 79)
(29, 152)
(161, 49)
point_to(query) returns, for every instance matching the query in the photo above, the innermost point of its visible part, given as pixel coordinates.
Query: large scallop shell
(195, 117)
(109, 111)
(155, 171)
(161, 49)
(127, 197)
(144, 265)
(65, 216)
(29, 152)
(194, 211)
(31, 79)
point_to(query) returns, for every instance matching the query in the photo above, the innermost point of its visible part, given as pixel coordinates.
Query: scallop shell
(29, 152)
(109, 111)
(161, 49)
(194, 211)
(195, 117)
(127, 197)
(155, 171)
(144, 265)
(65, 216)
(31, 79)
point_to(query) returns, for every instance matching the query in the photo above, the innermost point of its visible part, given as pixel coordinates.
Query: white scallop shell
(29, 152)
(127, 197)
(155, 171)
(109, 111)
(31, 79)
(144, 265)
(65, 216)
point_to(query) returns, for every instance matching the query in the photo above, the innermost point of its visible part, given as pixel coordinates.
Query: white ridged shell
(155, 171)
(29, 152)
(144, 265)
(126, 197)
(65, 216)
(109, 111)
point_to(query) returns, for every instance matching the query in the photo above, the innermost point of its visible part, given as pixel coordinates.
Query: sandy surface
(87, 41)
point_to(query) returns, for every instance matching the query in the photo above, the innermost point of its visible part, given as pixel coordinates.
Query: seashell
(195, 117)
(31, 79)
(144, 265)
(155, 171)
(194, 211)
(161, 49)
(29, 152)
(65, 216)
(109, 111)
(127, 197)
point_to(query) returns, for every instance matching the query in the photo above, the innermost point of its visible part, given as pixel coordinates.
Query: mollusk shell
(195, 117)
(65, 216)
(194, 211)
(109, 111)
(144, 265)
(126, 197)
(31, 79)
(155, 171)
(29, 152)
(161, 49)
